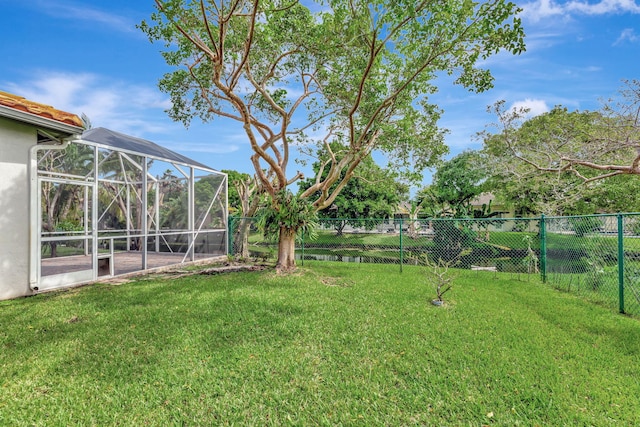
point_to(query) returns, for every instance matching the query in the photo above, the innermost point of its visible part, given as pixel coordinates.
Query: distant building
(486, 200)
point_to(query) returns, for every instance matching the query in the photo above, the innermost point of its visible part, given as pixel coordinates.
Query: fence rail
(596, 256)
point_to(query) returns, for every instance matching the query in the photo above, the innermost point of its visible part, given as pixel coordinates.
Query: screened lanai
(112, 204)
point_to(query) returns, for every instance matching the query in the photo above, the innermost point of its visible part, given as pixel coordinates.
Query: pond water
(558, 261)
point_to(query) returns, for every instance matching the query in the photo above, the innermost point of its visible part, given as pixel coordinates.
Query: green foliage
(68, 225)
(455, 184)
(175, 207)
(451, 238)
(361, 71)
(235, 205)
(567, 162)
(63, 203)
(287, 212)
(520, 184)
(372, 194)
(584, 225)
(612, 195)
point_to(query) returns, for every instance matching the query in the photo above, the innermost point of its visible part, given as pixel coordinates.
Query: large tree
(359, 72)
(588, 145)
(522, 187)
(455, 184)
(558, 160)
(533, 193)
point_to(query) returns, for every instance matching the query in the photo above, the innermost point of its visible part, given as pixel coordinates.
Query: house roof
(22, 104)
(110, 138)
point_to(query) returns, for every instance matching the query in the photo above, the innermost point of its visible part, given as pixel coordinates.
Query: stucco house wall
(15, 140)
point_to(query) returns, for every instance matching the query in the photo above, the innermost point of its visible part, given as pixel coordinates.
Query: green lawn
(336, 344)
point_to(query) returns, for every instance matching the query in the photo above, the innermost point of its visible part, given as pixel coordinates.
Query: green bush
(583, 225)
(450, 238)
(634, 226)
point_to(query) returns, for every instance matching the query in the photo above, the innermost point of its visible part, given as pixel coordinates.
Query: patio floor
(123, 262)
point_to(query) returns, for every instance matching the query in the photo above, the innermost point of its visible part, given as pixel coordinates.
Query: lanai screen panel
(153, 207)
(210, 194)
(65, 220)
(120, 211)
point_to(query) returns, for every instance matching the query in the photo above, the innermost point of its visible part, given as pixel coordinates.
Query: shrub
(585, 224)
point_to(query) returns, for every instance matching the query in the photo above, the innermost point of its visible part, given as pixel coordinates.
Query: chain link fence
(596, 256)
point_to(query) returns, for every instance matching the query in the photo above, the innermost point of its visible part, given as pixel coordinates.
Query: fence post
(401, 248)
(621, 262)
(302, 258)
(543, 248)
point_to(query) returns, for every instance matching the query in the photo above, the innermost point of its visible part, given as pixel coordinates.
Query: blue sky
(88, 57)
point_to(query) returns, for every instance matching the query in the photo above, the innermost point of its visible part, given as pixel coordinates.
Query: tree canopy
(295, 74)
(556, 162)
(588, 145)
(455, 184)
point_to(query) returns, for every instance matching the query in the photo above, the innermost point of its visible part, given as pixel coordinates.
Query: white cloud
(131, 109)
(535, 107)
(603, 7)
(117, 105)
(593, 69)
(543, 40)
(627, 34)
(57, 89)
(82, 13)
(541, 9)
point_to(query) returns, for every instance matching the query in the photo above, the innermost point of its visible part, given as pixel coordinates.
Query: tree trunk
(48, 226)
(249, 192)
(66, 208)
(241, 239)
(286, 250)
(413, 227)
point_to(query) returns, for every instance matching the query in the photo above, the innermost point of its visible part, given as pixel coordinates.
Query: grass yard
(336, 344)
